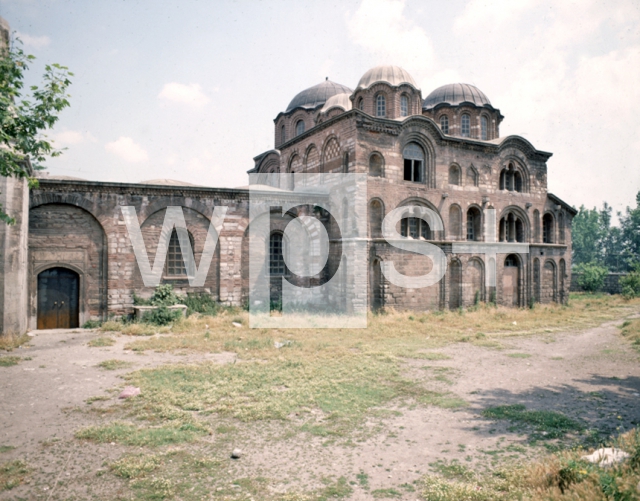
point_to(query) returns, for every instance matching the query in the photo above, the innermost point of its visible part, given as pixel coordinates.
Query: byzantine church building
(69, 258)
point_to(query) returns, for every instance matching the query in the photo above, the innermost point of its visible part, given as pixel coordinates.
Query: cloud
(482, 13)
(191, 94)
(381, 27)
(33, 42)
(71, 138)
(127, 149)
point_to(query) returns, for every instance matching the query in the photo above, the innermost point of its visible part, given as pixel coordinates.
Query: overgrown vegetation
(591, 278)
(545, 424)
(12, 474)
(631, 282)
(559, 477)
(9, 342)
(9, 361)
(114, 364)
(161, 316)
(100, 342)
(631, 330)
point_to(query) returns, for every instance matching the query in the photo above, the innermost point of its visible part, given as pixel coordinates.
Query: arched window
(444, 124)
(454, 175)
(465, 129)
(416, 228)
(547, 229)
(404, 106)
(376, 165)
(299, 127)
(283, 135)
(484, 128)
(511, 260)
(174, 266)
(413, 163)
(376, 215)
(360, 104)
(345, 162)
(276, 255)
(474, 224)
(381, 105)
(511, 179)
(512, 228)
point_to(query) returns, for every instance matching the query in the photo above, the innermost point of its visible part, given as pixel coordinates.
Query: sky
(188, 90)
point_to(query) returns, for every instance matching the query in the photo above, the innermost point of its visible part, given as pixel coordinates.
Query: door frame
(82, 299)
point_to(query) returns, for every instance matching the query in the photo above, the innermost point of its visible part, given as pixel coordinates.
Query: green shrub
(631, 283)
(161, 316)
(140, 301)
(164, 295)
(92, 324)
(200, 303)
(591, 277)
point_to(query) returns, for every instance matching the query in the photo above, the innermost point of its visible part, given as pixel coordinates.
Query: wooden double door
(58, 299)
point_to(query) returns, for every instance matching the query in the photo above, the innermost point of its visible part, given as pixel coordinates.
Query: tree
(23, 119)
(630, 226)
(586, 235)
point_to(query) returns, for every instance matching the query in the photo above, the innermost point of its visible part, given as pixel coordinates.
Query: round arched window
(413, 163)
(465, 129)
(444, 124)
(404, 106)
(299, 127)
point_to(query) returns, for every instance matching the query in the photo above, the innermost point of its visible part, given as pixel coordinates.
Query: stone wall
(611, 283)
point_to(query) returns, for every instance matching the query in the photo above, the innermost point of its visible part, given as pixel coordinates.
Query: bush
(161, 316)
(591, 277)
(164, 296)
(92, 324)
(631, 283)
(200, 303)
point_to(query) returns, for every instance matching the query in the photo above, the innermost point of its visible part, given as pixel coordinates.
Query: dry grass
(631, 330)
(9, 342)
(403, 334)
(558, 477)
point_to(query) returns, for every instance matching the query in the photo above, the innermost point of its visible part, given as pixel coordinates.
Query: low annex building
(69, 259)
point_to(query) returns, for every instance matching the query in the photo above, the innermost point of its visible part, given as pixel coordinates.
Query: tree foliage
(25, 117)
(596, 240)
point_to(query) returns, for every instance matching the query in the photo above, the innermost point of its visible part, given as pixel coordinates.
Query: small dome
(318, 94)
(393, 75)
(455, 94)
(337, 101)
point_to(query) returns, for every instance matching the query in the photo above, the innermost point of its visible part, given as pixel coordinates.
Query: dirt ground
(592, 375)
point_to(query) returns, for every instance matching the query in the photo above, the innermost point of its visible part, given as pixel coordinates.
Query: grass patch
(546, 424)
(9, 342)
(6, 448)
(101, 342)
(519, 355)
(386, 494)
(114, 364)
(136, 465)
(631, 330)
(9, 361)
(129, 434)
(12, 474)
(344, 389)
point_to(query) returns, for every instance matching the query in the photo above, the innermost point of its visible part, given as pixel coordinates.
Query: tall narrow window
(416, 228)
(547, 229)
(276, 255)
(361, 104)
(404, 106)
(484, 125)
(376, 165)
(413, 163)
(283, 135)
(454, 175)
(465, 129)
(444, 124)
(381, 106)
(299, 127)
(175, 264)
(474, 223)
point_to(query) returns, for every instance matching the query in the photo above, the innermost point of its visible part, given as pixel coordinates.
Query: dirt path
(591, 375)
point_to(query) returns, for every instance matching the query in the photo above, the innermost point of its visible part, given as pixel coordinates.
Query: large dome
(455, 94)
(393, 75)
(317, 95)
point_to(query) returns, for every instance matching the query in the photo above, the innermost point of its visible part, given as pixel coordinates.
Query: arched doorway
(58, 299)
(511, 281)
